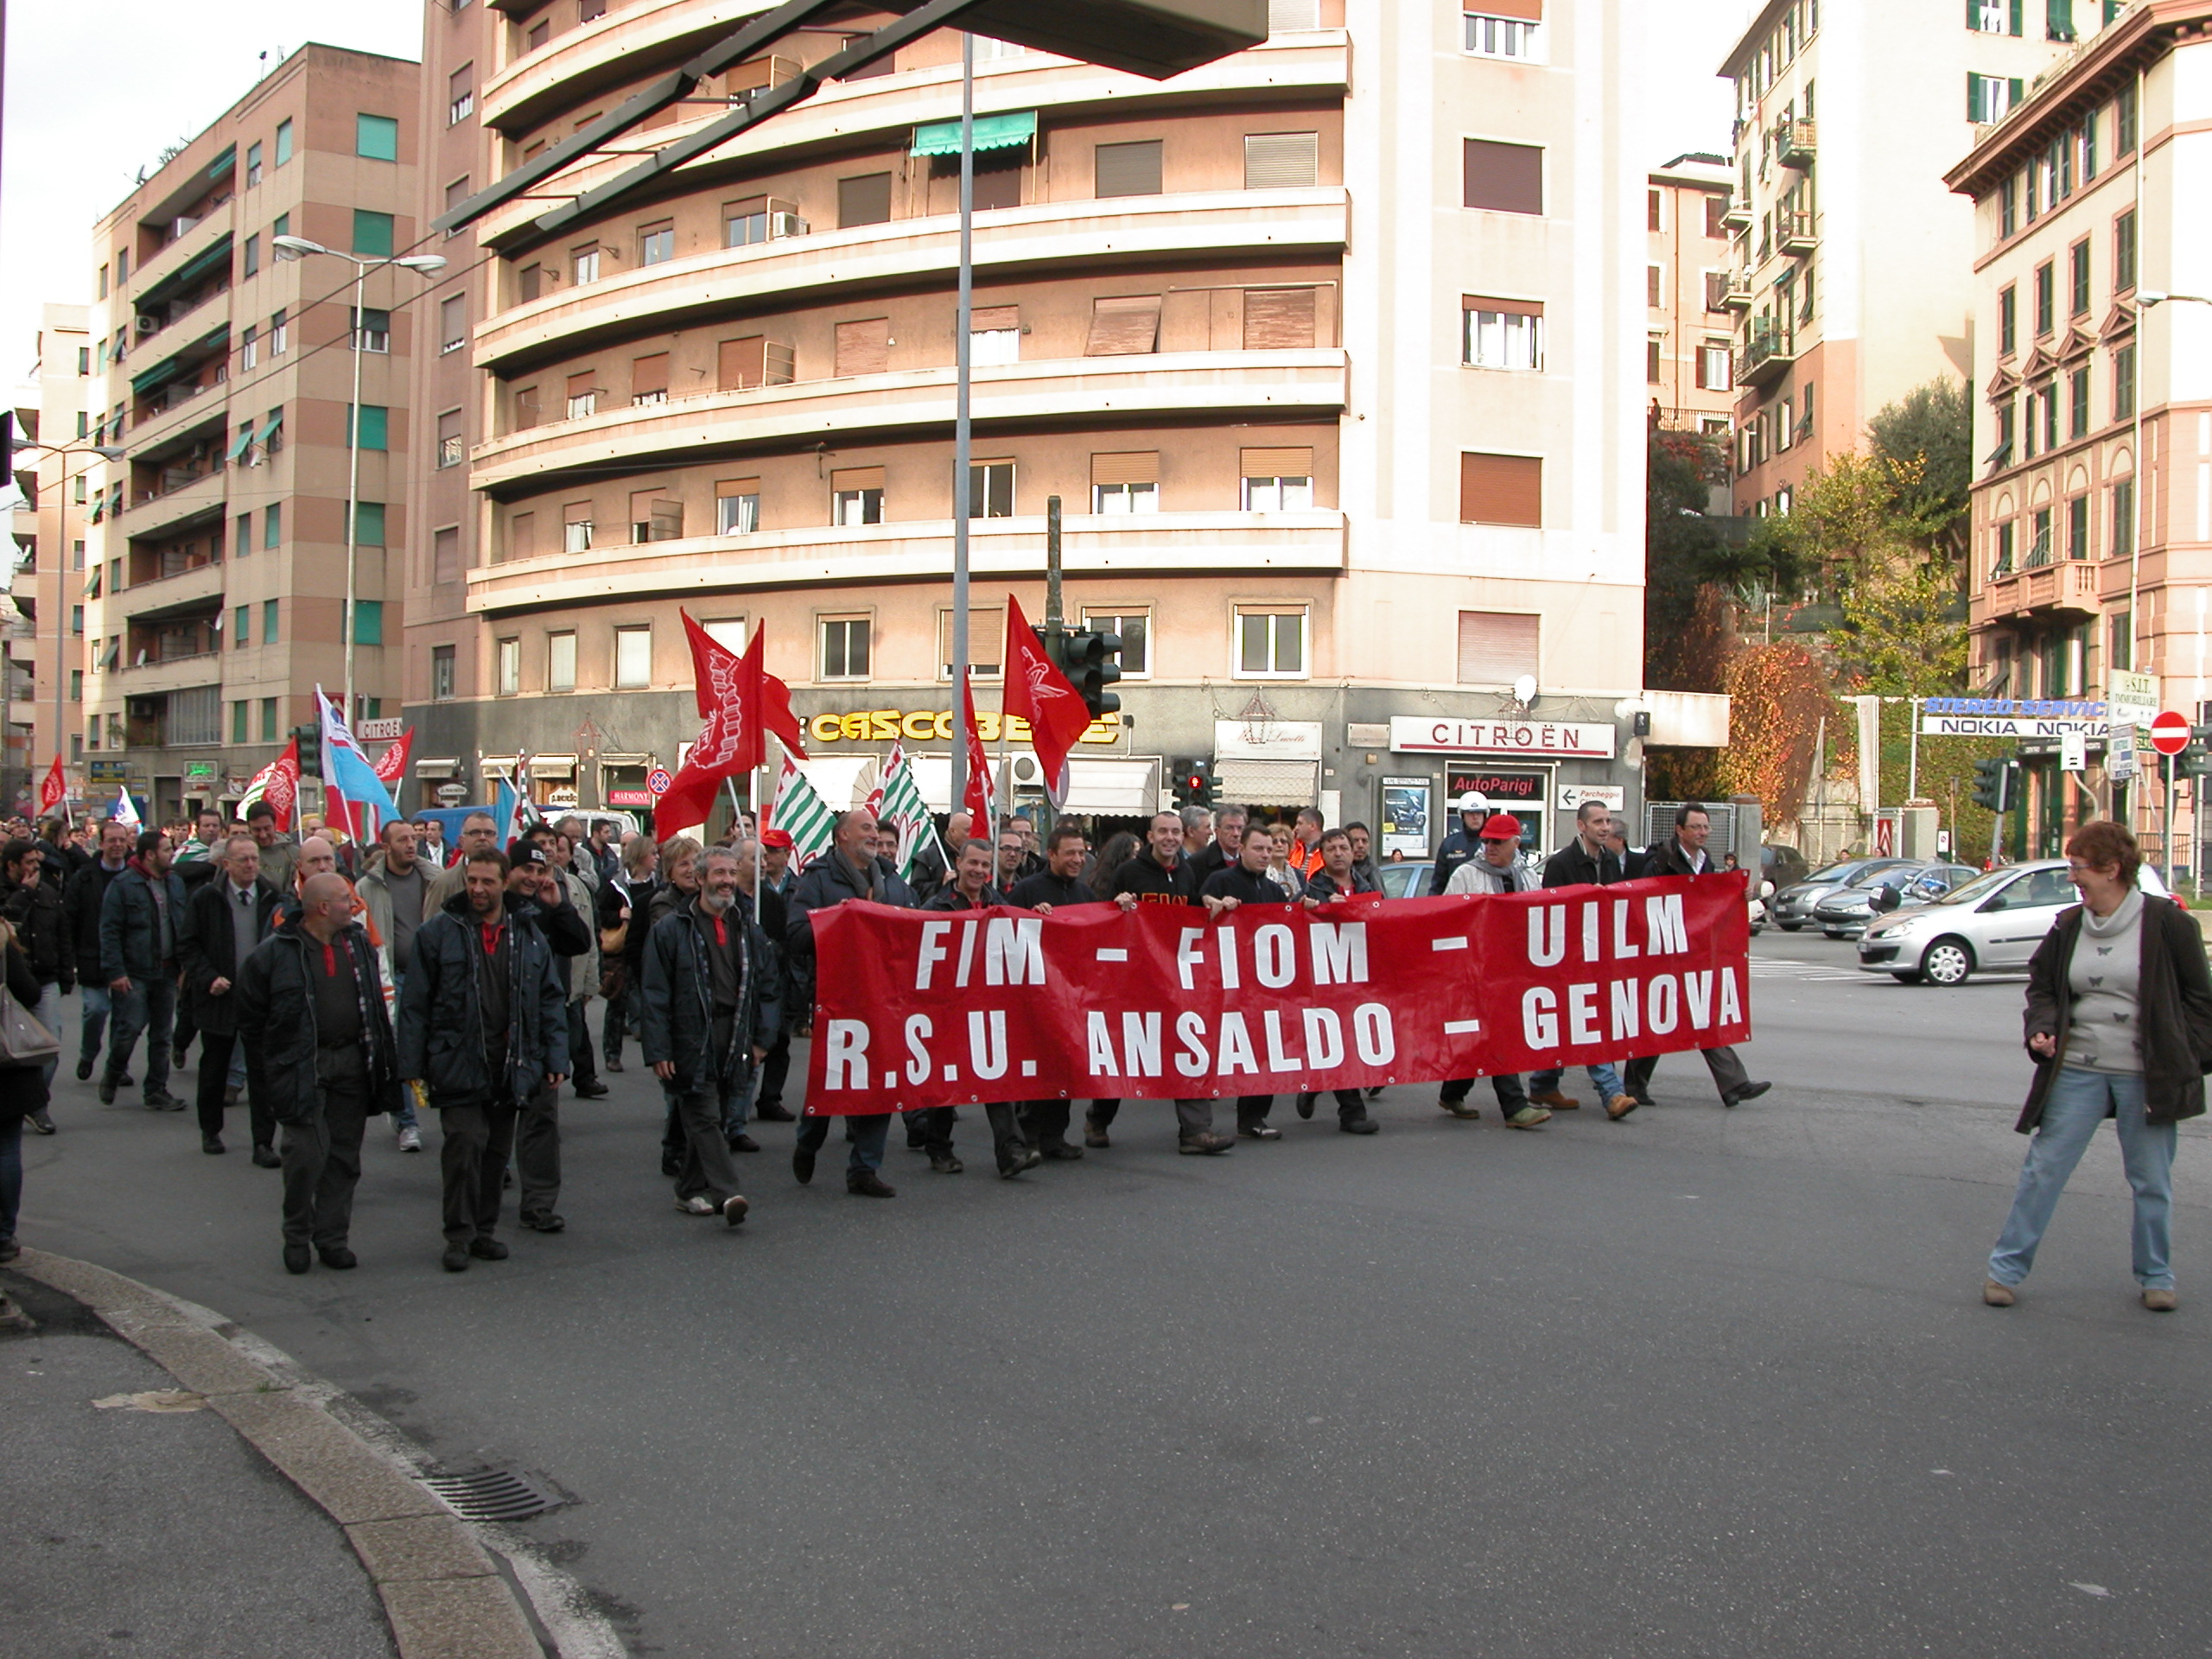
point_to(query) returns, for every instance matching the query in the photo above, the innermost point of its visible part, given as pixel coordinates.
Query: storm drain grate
(494, 1495)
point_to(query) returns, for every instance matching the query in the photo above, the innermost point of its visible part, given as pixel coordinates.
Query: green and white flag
(801, 814)
(904, 808)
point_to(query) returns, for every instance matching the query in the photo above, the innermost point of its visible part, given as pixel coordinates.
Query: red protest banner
(918, 1008)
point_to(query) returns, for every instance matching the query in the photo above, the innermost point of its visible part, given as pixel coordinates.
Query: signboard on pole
(2132, 697)
(2170, 732)
(2120, 763)
(2073, 752)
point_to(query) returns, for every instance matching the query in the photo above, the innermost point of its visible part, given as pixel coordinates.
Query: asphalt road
(1702, 1382)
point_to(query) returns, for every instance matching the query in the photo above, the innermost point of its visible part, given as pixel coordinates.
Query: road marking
(1459, 944)
(1453, 1027)
(1113, 956)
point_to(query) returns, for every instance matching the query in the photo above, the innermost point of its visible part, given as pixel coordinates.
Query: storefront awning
(992, 133)
(440, 768)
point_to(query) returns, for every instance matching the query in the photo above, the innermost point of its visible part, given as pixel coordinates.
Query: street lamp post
(298, 247)
(100, 452)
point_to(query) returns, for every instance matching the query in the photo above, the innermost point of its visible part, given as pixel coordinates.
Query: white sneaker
(411, 1138)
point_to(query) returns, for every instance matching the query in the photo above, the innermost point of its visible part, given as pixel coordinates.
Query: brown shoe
(1207, 1143)
(1457, 1108)
(866, 1184)
(2159, 1301)
(1557, 1102)
(1094, 1136)
(1999, 1295)
(1620, 1106)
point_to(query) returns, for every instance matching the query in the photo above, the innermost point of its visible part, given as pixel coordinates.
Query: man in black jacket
(310, 1003)
(1161, 876)
(30, 900)
(1463, 845)
(1683, 854)
(1059, 886)
(483, 1030)
(1227, 845)
(80, 906)
(1338, 879)
(849, 871)
(140, 917)
(1247, 882)
(1596, 857)
(229, 917)
(710, 1006)
(767, 906)
(970, 888)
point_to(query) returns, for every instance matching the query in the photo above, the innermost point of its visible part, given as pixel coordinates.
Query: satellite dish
(1524, 689)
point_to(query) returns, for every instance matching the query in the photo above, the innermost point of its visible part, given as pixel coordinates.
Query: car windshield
(1978, 889)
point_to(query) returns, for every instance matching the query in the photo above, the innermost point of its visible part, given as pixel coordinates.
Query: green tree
(1926, 441)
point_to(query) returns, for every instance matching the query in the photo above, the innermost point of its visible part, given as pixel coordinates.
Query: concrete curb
(443, 1595)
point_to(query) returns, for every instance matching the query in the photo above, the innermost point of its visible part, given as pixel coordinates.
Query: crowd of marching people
(328, 985)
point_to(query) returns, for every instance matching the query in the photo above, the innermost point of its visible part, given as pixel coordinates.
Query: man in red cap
(1497, 868)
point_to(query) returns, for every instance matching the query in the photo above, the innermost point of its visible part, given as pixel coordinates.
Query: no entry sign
(2169, 733)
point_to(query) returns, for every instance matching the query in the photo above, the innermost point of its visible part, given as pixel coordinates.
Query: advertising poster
(1406, 817)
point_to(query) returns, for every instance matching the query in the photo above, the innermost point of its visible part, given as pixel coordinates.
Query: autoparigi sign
(928, 1009)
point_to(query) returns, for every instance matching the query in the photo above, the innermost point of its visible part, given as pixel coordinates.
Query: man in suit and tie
(229, 916)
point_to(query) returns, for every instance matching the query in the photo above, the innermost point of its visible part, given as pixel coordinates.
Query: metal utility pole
(1052, 628)
(963, 486)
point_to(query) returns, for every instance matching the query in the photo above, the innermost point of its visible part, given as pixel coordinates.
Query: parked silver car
(1846, 912)
(1792, 907)
(1991, 924)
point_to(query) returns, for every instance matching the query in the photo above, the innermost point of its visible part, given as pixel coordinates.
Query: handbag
(25, 1040)
(613, 941)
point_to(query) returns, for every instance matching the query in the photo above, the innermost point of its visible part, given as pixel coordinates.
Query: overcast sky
(95, 88)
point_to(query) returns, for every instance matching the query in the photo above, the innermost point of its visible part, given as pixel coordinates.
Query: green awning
(242, 443)
(93, 587)
(216, 253)
(992, 133)
(157, 377)
(224, 162)
(268, 431)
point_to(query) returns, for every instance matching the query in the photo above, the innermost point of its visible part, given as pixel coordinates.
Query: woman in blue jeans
(22, 1094)
(2120, 1022)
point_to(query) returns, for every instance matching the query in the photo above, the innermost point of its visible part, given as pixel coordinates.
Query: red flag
(1035, 690)
(54, 792)
(279, 784)
(739, 700)
(977, 796)
(392, 765)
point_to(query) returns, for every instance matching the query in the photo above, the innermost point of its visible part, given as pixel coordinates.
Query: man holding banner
(971, 889)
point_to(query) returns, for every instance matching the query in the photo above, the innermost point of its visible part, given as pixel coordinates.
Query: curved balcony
(606, 52)
(200, 497)
(1064, 389)
(182, 330)
(840, 111)
(163, 596)
(199, 239)
(1176, 544)
(792, 268)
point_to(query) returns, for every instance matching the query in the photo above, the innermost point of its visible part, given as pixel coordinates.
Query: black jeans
(537, 1152)
(613, 1024)
(1351, 1104)
(775, 1069)
(473, 1165)
(216, 1048)
(710, 1167)
(322, 1158)
(1045, 1123)
(1511, 1096)
(150, 1007)
(1727, 1070)
(582, 1068)
(936, 1128)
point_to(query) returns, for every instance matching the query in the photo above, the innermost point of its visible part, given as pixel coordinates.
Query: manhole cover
(494, 1495)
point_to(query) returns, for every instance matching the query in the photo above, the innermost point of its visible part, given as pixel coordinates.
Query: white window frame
(507, 667)
(1111, 620)
(1279, 612)
(1124, 500)
(843, 620)
(1283, 494)
(629, 635)
(586, 404)
(554, 682)
(586, 266)
(576, 536)
(1514, 39)
(988, 347)
(1494, 333)
(850, 509)
(1709, 355)
(729, 510)
(647, 239)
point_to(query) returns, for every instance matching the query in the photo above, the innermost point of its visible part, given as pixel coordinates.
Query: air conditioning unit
(785, 224)
(1027, 771)
(147, 323)
(183, 224)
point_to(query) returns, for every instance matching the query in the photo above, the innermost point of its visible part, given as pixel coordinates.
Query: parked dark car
(1792, 906)
(1783, 866)
(1845, 911)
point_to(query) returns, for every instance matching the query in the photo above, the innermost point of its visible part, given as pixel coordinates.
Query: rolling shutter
(742, 363)
(1127, 466)
(864, 347)
(1527, 11)
(1496, 647)
(649, 375)
(1281, 161)
(1124, 327)
(856, 478)
(1503, 178)
(994, 319)
(1501, 490)
(1278, 463)
(1278, 319)
(1127, 170)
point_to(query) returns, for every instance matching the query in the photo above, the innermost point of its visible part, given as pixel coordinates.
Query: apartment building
(1337, 381)
(1852, 261)
(2092, 348)
(43, 662)
(216, 582)
(1689, 345)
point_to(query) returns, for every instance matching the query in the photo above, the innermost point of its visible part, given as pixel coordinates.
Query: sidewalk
(216, 1514)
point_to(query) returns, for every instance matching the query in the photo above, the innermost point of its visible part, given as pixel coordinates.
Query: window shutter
(576, 513)
(1278, 463)
(2019, 6)
(742, 363)
(726, 487)
(649, 374)
(1278, 319)
(1508, 308)
(1501, 490)
(1126, 467)
(582, 385)
(1287, 15)
(1127, 170)
(526, 408)
(1124, 327)
(864, 200)
(1281, 161)
(994, 319)
(1527, 11)
(1496, 647)
(856, 478)
(864, 347)
(1503, 178)
(445, 547)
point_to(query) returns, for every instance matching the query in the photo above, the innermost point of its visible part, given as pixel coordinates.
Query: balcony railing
(1793, 232)
(1765, 355)
(1793, 142)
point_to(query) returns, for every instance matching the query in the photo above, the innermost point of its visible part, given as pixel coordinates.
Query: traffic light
(2196, 759)
(1993, 782)
(1194, 783)
(309, 739)
(1092, 662)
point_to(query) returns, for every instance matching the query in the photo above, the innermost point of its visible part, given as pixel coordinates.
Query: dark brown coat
(2174, 998)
